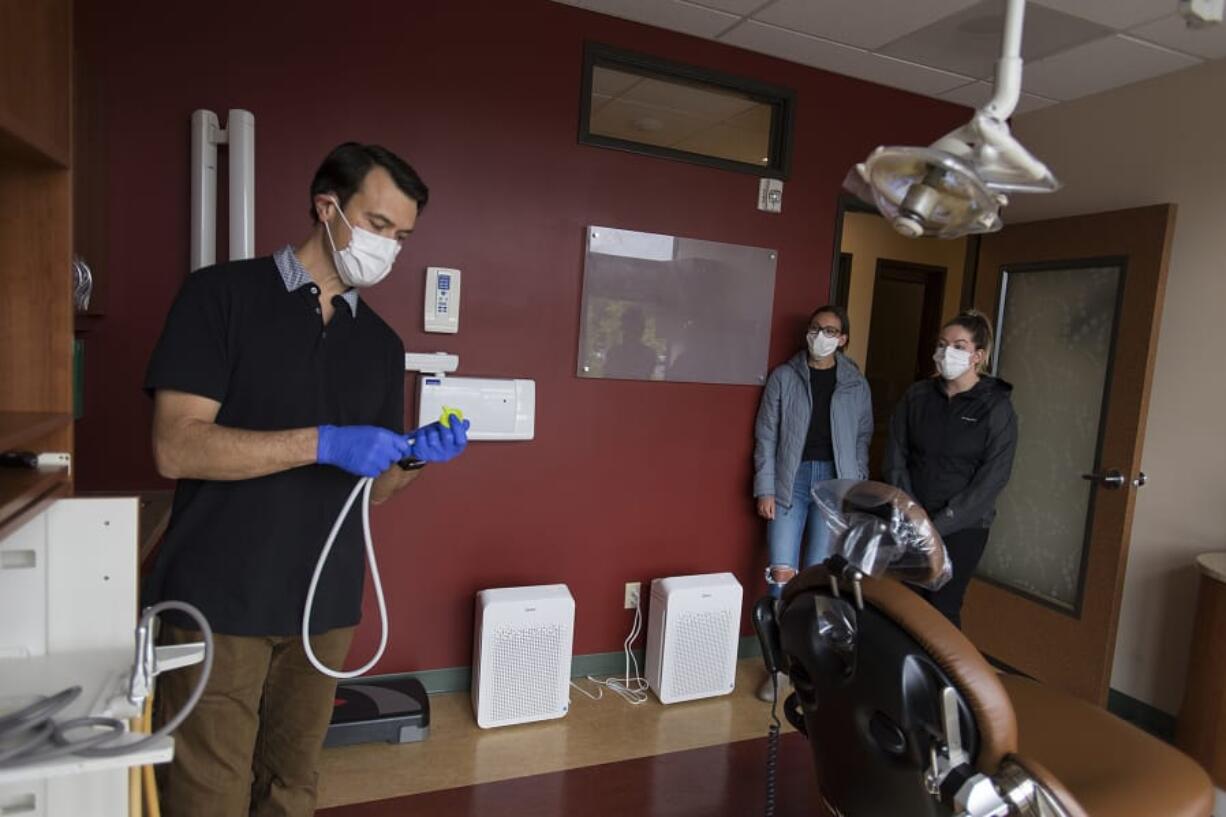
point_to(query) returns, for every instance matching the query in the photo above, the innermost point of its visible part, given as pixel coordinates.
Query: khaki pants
(251, 745)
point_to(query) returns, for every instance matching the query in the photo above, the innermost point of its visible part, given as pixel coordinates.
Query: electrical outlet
(632, 595)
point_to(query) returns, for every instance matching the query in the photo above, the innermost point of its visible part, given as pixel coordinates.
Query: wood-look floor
(717, 781)
(458, 754)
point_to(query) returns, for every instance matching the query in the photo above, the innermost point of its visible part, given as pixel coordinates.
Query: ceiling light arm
(1009, 67)
(1003, 164)
(1001, 161)
(958, 185)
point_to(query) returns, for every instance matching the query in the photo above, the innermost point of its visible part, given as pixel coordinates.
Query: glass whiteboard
(659, 307)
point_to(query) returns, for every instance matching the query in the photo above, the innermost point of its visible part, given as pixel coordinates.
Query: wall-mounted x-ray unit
(239, 137)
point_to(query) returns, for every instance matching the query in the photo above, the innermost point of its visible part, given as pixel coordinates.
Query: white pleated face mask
(820, 346)
(952, 363)
(368, 258)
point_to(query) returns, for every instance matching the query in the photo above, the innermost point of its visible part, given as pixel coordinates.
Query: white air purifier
(692, 636)
(521, 654)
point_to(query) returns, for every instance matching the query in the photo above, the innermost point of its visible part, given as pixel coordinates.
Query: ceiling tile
(1097, 66)
(757, 118)
(741, 7)
(736, 144)
(716, 104)
(1119, 14)
(842, 59)
(640, 123)
(863, 23)
(978, 93)
(968, 42)
(611, 82)
(1173, 32)
(838, 35)
(670, 14)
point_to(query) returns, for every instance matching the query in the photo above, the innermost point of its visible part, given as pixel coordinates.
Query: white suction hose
(362, 487)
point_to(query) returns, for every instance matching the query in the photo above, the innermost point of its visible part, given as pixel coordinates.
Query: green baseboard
(1142, 715)
(607, 664)
(598, 665)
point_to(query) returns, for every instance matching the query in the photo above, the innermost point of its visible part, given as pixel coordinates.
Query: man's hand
(365, 451)
(431, 443)
(439, 443)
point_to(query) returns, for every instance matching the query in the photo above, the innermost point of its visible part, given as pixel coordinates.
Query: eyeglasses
(828, 331)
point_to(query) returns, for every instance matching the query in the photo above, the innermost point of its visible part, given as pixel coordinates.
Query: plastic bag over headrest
(881, 531)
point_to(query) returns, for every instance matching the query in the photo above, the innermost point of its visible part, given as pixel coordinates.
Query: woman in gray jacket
(814, 423)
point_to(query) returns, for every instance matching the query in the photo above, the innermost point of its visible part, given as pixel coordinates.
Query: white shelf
(102, 676)
(159, 752)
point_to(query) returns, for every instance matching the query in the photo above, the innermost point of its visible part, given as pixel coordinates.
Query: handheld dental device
(362, 487)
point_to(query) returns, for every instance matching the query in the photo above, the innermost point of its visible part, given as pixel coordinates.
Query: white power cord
(631, 688)
(363, 487)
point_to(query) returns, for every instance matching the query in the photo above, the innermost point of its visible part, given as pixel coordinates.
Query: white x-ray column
(239, 137)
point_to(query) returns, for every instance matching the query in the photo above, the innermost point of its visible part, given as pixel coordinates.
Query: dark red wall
(625, 480)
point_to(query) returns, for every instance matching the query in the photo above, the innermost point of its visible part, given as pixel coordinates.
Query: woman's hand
(766, 507)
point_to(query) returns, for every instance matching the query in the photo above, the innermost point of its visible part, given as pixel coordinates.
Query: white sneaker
(766, 691)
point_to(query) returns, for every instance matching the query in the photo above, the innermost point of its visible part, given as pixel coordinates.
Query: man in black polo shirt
(275, 387)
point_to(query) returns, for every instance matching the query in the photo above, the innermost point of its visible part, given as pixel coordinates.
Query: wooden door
(1078, 303)
(906, 319)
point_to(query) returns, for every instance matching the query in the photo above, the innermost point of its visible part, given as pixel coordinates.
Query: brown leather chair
(881, 688)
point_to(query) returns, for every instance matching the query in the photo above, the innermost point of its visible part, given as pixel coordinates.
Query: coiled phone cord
(772, 748)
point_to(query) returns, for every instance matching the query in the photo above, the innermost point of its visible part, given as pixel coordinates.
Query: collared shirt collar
(295, 276)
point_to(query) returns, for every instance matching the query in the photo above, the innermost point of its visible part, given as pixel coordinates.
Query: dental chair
(905, 717)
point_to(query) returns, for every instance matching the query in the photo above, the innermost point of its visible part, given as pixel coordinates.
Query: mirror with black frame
(646, 105)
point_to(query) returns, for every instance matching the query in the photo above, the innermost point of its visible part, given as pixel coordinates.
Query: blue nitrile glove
(438, 443)
(366, 451)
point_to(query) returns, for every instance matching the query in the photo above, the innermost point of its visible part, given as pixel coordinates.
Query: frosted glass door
(1056, 329)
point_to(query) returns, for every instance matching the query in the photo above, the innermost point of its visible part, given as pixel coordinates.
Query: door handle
(1112, 479)
(1140, 480)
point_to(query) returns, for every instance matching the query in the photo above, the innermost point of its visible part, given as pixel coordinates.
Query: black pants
(965, 549)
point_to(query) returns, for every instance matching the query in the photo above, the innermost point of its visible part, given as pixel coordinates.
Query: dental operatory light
(1202, 13)
(958, 185)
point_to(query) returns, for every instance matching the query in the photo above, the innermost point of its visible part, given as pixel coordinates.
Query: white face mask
(822, 346)
(952, 363)
(368, 258)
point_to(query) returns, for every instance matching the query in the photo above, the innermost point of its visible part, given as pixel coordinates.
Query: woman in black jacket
(951, 447)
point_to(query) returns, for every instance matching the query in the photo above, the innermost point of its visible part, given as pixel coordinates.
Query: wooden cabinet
(88, 640)
(35, 78)
(1202, 718)
(36, 313)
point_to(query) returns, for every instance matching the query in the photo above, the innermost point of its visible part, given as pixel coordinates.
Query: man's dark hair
(346, 166)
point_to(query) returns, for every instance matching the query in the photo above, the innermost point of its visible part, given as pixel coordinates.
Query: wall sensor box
(496, 409)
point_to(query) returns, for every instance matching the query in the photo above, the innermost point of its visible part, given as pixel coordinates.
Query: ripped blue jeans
(802, 523)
